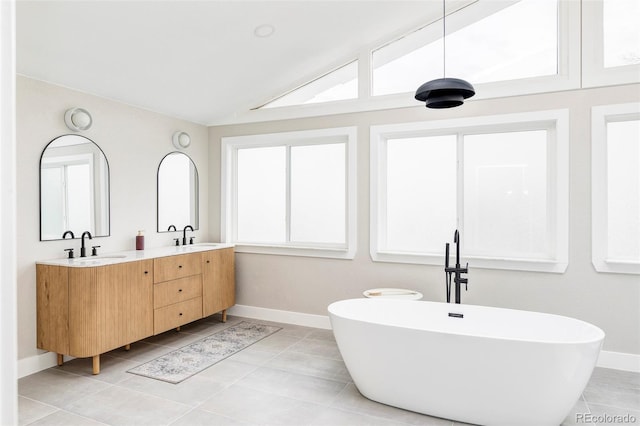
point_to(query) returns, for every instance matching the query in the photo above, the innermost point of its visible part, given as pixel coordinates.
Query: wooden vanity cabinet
(84, 312)
(219, 283)
(109, 306)
(87, 311)
(177, 291)
(52, 308)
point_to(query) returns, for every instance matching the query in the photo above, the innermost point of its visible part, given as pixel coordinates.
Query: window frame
(568, 47)
(229, 149)
(594, 73)
(555, 121)
(567, 78)
(600, 116)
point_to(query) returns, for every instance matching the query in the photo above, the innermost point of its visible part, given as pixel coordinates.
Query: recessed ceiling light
(264, 30)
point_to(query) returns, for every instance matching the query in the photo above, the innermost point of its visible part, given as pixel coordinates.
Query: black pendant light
(444, 92)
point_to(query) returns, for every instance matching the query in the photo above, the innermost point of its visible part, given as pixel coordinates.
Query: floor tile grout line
(182, 416)
(141, 393)
(60, 369)
(327, 404)
(84, 417)
(361, 413)
(42, 403)
(586, 403)
(615, 407)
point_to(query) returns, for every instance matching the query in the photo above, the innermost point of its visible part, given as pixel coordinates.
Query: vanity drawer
(172, 267)
(170, 292)
(175, 315)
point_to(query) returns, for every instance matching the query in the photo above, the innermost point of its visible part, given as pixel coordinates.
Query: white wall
(308, 285)
(8, 287)
(134, 141)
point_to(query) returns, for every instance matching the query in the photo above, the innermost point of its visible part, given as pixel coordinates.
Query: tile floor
(293, 377)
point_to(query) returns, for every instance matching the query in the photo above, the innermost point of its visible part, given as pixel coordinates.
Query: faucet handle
(70, 250)
(191, 240)
(94, 250)
(177, 240)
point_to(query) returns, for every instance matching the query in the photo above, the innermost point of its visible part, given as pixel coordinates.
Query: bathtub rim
(599, 334)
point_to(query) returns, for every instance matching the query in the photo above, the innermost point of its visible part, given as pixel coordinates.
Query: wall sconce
(77, 119)
(181, 140)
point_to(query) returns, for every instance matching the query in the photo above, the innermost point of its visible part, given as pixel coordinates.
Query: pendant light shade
(444, 92)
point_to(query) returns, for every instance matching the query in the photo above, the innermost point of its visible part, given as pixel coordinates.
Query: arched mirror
(74, 188)
(177, 192)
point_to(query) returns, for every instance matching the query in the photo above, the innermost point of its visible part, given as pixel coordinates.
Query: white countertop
(133, 255)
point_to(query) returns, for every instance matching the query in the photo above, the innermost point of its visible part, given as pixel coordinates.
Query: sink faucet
(171, 226)
(457, 270)
(66, 233)
(83, 251)
(184, 235)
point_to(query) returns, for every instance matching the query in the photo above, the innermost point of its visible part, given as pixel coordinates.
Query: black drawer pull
(179, 266)
(146, 272)
(208, 261)
(179, 290)
(180, 313)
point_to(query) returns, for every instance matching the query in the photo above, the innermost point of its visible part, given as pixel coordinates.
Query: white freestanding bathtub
(482, 365)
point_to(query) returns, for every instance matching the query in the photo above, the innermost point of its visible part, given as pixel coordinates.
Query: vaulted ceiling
(201, 60)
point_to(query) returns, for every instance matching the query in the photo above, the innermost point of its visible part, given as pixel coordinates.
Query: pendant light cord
(444, 42)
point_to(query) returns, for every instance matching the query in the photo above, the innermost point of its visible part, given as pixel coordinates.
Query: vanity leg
(127, 347)
(178, 328)
(224, 315)
(60, 359)
(96, 364)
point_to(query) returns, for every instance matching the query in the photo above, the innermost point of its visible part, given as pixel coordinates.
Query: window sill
(324, 252)
(616, 266)
(553, 266)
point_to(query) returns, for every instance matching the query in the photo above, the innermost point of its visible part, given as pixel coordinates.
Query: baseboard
(26, 366)
(288, 317)
(619, 361)
(36, 363)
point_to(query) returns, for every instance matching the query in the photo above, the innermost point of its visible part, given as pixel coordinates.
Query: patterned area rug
(183, 363)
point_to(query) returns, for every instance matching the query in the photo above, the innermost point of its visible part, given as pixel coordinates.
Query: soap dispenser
(140, 240)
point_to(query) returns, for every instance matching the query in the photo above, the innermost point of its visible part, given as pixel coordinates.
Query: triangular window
(339, 84)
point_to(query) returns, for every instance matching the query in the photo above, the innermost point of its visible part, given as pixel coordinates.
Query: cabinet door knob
(146, 272)
(208, 261)
(179, 266)
(179, 290)
(180, 313)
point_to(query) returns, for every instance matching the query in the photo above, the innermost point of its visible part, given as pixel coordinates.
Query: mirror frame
(108, 209)
(197, 190)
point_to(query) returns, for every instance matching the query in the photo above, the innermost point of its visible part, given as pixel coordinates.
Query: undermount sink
(198, 246)
(97, 260)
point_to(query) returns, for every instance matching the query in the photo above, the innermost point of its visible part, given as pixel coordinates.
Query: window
(505, 194)
(621, 35)
(611, 47)
(504, 48)
(336, 85)
(502, 181)
(616, 188)
(502, 41)
(291, 193)
(414, 223)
